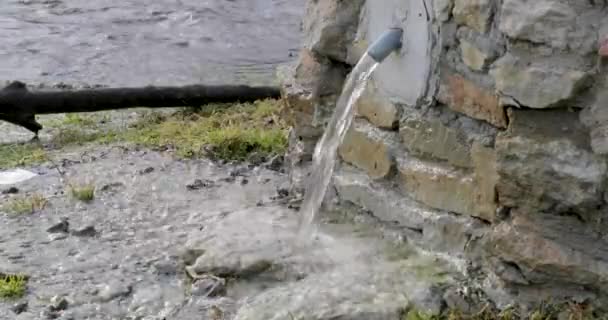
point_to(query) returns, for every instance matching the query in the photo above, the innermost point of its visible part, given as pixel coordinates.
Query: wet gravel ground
(140, 42)
(120, 254)
(171, 239)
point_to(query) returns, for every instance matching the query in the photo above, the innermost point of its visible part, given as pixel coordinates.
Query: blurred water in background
(141, 42)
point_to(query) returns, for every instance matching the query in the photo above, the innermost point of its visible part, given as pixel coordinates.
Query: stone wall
(505, 168)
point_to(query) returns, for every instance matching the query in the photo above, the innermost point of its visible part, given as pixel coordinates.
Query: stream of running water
(325, 154)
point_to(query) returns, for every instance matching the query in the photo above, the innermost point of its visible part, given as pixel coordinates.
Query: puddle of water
(325, 154)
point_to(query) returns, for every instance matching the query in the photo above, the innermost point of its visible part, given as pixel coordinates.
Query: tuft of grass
(25, 205)
(228, 132)
(83, 193)
(15, 155)
(12, 286)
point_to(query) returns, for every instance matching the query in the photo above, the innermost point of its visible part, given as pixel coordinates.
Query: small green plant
(25, 205)
(12, 286)
(83, 193)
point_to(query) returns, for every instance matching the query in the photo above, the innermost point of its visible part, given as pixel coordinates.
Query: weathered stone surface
(311, 78)
(551, 22)
(440, 186)
(537, 85)
(429, 137)
(545, 163)
(437, 230)
(443, 9)
(595, 117)
(473, 13)
(599, 139)
(368, 148)
(486, 179)
(330, 26)
(548, 249)
(466, 97)
(375, 107)
(472, 56)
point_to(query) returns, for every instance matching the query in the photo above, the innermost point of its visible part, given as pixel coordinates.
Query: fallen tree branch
(19, 106)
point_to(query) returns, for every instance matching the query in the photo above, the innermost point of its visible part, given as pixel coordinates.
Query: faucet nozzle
(388, 42)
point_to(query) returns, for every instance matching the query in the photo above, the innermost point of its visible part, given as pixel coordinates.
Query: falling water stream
(325, 154)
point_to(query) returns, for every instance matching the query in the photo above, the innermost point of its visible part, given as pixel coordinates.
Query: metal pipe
(388, 42)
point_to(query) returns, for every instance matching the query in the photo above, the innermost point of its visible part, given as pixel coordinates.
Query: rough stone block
(545, 163)
(440, 186)
(486, 179)
(595, 117)
(375, 107)
(431, 138)
(437, 230)
(551, 22)
(473, 13)
(368, 148)
(443, 9)
(543, 249)
(539, 85)
(466, 97)
(472, 56)
(330, 27)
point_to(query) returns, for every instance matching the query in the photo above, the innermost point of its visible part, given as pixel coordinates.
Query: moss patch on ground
(221, 131)
(12, 286)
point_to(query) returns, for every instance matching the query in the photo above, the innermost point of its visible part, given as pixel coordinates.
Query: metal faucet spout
(388, 42)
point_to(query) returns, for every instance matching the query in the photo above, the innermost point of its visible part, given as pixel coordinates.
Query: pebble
(62, 227)
(88, 231)
(200, 184)
(276, 163)
(19, 308)
(58, 303)
(11, 190)
(115, 289)
(146, 170)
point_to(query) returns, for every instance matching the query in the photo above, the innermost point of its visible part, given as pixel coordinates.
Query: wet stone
(58, 303)
(275, 163)
(62, 227)
(112, 186)
(20, 307)
(115, 289)
(146, 170)
(201, 184)
(11, 190)
(88, 231)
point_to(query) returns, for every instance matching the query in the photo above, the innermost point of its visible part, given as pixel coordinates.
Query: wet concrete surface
(140, 42)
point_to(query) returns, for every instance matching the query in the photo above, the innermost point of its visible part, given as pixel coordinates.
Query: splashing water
(325, 154)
